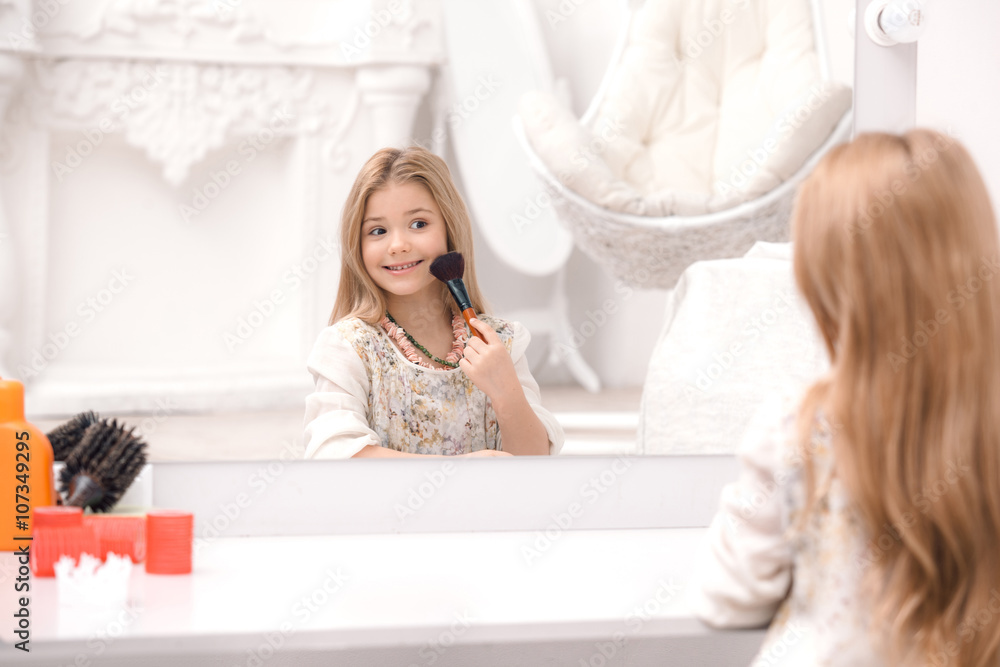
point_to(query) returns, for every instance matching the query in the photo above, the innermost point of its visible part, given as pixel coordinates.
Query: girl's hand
(489, 366)
(487, 452)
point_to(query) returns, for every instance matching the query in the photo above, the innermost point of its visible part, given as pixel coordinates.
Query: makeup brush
(102, 467)
(66, 437)
(449, 269)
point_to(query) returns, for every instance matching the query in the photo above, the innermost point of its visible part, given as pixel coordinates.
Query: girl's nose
(398, 243)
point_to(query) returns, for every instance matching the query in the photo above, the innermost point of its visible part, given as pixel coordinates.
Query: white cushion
(713, 103)
(736, 332)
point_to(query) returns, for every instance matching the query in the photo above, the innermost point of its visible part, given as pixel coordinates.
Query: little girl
(397, 373)
(865, 526)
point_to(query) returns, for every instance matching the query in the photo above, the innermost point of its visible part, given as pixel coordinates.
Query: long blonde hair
(358, 295)
(896, 252)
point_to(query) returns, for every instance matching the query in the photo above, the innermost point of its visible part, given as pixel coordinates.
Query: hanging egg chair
(710, 114)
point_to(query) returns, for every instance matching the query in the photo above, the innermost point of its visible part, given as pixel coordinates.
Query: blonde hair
(895, 252)
(358, 295)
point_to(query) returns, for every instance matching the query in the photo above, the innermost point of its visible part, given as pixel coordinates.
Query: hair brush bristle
(66, 437)
(102, 467)
(450, 266)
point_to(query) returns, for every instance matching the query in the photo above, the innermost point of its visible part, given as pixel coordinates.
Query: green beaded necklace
(420, 347)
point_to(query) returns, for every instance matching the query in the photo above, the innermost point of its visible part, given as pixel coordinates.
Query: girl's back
(889, 528)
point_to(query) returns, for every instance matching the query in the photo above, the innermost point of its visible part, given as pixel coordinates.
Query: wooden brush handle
(468, 314)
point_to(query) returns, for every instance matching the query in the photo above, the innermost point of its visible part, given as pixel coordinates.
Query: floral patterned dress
(761, 569)
(367, 392)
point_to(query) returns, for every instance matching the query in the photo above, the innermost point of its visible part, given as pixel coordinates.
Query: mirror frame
(295, 497)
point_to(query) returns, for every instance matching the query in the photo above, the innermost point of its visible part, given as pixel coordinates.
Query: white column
(11, 68)
(393, 93)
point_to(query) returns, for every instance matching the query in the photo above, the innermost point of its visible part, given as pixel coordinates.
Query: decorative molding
(231, 30)
(223, 19)
(177, 113)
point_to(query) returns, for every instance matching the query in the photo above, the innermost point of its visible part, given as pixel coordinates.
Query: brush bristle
(450, 266)
(111, 455)
(66, 437)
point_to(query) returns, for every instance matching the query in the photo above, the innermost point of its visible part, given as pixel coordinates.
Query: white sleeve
(336, 420)
(517, 353)
(746, 567)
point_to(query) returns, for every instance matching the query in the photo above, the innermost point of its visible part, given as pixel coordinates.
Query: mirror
(170, 209)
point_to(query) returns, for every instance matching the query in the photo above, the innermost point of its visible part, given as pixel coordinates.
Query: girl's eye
(376, 231)
(418, 224)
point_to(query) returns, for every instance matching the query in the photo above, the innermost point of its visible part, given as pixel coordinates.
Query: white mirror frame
(547, 495)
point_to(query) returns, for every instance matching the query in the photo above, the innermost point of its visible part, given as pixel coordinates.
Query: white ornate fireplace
(171, 177)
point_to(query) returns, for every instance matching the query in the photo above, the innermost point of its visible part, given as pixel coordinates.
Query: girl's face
(402, 232)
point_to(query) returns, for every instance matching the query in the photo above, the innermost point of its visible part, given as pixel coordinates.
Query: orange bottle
(25, 469)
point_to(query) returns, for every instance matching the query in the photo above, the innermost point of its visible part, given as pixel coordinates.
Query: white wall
(580, 47)
(580, 44)
(958, 79)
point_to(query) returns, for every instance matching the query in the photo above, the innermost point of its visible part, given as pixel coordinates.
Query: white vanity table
(284, 569)
(444, 599)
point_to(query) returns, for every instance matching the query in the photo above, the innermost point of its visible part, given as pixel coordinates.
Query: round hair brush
(66, 437)
(102, 467)
(449, 269)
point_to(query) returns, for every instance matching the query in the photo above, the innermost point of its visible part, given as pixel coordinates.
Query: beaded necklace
(406, 342)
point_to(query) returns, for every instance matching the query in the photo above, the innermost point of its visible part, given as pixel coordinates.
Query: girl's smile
(399, 269)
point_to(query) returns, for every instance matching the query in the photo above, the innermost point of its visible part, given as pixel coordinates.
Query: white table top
(416, 593)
